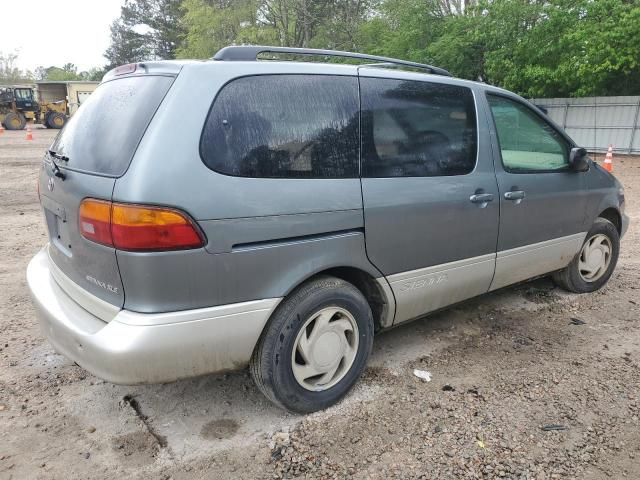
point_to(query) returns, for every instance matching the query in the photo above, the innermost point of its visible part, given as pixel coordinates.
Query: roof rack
(250, 53)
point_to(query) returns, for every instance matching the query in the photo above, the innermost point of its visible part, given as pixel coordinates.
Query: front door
(429, 191)
(542, 200)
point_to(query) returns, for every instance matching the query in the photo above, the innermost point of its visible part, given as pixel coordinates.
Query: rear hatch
(84, 161)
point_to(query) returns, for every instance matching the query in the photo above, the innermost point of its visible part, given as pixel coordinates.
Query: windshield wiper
(58, 156)
(56, 169)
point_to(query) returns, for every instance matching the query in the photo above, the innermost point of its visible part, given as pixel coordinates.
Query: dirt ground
(529, 383)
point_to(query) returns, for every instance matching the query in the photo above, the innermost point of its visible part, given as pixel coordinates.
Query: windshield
(23, 93)
(104, 134)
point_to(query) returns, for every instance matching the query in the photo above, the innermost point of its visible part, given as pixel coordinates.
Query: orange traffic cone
(29, 134)
(1, 128)
(608, 160)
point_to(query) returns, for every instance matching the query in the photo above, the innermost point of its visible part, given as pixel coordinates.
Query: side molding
(421, 291)
(521, 263)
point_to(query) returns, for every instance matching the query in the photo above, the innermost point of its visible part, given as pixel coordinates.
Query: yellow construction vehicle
(18, 105)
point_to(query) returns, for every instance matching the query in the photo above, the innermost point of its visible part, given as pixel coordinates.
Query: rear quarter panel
(264, 236)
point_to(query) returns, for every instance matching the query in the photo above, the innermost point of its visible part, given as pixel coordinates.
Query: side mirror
(579, 160)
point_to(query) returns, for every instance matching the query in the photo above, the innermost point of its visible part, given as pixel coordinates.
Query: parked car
(206, 216)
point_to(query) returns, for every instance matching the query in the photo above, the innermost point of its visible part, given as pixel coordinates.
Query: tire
(576, 276)
(56, 120)
(14, 121)
(45, 123)
(278, 352)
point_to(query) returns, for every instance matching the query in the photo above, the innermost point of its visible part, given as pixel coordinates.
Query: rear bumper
(146, 348)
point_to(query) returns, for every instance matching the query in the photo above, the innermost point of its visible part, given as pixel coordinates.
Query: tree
(211, 25)
(563, 47)
(533, 47)
(145, 30)
(40, 73)
(295, 22)
(9, 72)
(68, 72)
(340, 23)
(60, 74)
(94, 74)
(127, 46)
(70, 68)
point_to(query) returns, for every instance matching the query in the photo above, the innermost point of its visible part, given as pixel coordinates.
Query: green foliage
(211, 25)
(9, 72)
(538, 48)
(533, 47)
(68, 72)
(145, 30)
(611, 45)
(94, 74)
(127, 45)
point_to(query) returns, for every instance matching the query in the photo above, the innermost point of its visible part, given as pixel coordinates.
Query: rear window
(284, 126)
(103, 135)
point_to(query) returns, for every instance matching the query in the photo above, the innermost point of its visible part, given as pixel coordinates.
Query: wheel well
(613, 216)
(368, 286)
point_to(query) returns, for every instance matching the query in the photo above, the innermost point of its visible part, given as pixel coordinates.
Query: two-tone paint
(413, 245)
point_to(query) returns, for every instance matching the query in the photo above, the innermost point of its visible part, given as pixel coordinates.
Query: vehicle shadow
(216, 412)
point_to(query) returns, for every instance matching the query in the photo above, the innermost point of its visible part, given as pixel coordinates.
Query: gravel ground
(529, 383)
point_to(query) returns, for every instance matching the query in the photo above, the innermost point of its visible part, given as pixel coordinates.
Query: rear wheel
(56, 120)
(591, 269)
(14, 121)
(315, 346)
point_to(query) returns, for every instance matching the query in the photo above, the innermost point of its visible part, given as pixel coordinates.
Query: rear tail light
(137, 227)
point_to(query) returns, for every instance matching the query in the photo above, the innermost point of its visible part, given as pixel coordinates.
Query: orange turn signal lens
(95, 221)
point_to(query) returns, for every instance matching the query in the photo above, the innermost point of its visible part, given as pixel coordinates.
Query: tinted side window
(527, 142)
(284, 126)
(417, 129)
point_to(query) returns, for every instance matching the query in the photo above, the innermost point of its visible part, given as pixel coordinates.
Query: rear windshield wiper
(58, 156)
(56, 169)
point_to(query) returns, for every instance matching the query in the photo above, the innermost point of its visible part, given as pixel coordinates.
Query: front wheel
(591, 269)
(315, 346)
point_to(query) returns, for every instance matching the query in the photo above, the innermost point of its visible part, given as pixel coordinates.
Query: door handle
(481, 197)
(516, 195)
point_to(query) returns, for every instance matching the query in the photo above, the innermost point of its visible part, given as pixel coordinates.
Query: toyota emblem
(50, 184)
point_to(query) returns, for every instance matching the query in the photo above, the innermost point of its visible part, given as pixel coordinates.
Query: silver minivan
(204, 216)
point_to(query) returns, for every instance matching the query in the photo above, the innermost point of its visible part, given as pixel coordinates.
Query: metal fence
(597, 122)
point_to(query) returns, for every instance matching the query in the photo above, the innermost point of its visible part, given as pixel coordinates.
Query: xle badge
(102, 284)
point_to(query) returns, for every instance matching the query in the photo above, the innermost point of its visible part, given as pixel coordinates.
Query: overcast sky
(54, 32)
